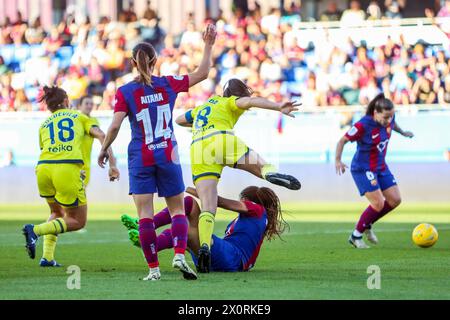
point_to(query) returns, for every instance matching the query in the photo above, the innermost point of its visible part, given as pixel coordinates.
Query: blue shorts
(368, 181)
(166, 179)
(225, 256)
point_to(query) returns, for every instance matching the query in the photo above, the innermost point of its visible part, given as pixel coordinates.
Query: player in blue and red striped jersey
(153, 164)
(259, 218)
(369, 169)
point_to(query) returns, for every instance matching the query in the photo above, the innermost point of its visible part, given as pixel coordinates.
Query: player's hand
(340, 167)
(408, 134)
(209, 35)
(114, 174)
(103, 158)
(288, 107)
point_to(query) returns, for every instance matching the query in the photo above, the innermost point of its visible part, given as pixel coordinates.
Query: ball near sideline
(425, 235)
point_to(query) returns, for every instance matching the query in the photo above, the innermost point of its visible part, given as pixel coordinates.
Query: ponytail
(380, 103)
(144, 56)
(236, 87)
(54, 98)
(267, 198)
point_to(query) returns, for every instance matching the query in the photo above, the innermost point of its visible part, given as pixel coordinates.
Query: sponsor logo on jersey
(178, 77)
(161, 145)
(382, 145)
(60, 148)
(152, 98)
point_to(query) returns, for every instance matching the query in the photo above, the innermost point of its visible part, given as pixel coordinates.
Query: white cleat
(357, 242)
(179, 262)
(153, 276)
(371, 237)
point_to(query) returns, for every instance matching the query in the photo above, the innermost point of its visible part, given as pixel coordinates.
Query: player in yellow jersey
(215, 146)
(86, 105)
(59, 168)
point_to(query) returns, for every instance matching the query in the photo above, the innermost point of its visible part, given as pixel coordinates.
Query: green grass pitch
(313, 262)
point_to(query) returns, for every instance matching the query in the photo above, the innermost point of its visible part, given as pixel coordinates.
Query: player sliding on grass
(259, 217)
(84, 107)
(59, 172)
(369, 169)
(215, 146)
(153, 164)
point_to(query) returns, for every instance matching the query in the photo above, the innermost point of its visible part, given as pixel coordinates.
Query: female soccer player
(369, 169)
(85, 107)
(215, 146)
(58, 172)
(259, 218)
(153, 164)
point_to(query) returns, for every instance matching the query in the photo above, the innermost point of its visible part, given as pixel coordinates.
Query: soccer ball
(425, 235)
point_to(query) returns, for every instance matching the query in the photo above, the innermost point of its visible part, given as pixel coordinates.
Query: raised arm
(340, 166)
(262, 103)
(209, 37)
(407, 134)
(224, 203)
(111, 135)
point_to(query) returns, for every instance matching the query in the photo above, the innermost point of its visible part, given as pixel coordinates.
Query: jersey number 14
(164, 115)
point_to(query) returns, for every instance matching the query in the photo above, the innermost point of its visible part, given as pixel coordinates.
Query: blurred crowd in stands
(263, 50)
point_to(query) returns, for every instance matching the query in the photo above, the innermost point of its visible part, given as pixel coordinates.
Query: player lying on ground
(259, 217)
(369, 169)
(215, 146)
(153, 164)
(58, 172)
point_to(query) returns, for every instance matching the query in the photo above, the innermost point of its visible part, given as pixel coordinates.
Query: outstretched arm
(407, 134)
(111, 135)
(284, 107)
(224, 203)
(340, 166)
(209, 37)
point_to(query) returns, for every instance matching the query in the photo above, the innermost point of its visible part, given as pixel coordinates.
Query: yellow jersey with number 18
(217, 114)
(61, 137)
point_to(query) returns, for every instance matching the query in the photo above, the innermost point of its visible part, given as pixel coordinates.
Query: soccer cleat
(179, 262)
(371, 237)
(204, 259)
(30, 239)
(283, 180)
(153, 276)
(129, 222)
(357, 242)
(133, 235)
(45, 263)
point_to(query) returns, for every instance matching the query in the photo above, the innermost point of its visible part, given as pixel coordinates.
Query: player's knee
(377, 205)
(394, 202)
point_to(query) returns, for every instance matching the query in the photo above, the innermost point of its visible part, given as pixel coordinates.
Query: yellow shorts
(61, 182)
(210, 154)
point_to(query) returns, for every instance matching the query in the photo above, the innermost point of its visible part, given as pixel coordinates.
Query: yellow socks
(55, 227)
(268, 168)
(49, 247)
(205, 227)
